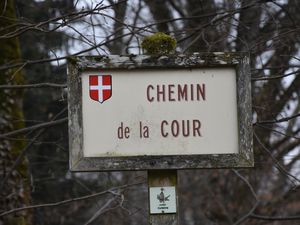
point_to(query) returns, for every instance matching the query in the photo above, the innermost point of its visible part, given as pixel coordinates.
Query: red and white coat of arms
(100, 87)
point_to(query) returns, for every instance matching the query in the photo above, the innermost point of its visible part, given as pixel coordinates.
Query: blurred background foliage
(49, 30)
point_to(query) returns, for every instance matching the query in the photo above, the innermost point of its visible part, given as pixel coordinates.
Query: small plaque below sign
(162, 200)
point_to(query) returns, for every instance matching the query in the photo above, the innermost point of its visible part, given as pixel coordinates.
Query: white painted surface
(159, 205)
(129, 105)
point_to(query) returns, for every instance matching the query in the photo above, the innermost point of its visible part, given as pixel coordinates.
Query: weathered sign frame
(239, 61)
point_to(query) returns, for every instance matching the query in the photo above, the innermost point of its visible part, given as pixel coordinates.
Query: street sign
(145, 112)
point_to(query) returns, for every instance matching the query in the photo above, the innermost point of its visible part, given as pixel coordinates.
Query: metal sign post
(158, 113)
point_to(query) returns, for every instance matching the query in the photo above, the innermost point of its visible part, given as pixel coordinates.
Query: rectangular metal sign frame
(239, 61)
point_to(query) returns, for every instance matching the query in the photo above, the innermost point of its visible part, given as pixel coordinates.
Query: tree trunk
(14, 190)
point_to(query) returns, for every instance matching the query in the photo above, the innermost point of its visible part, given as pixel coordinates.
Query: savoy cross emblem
(100, 87)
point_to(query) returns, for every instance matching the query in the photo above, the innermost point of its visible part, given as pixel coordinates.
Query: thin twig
(246, 182)
(40, 85)
(71, 16)
(279, 166)
(263, 217)
(273, 77)
(248, 215)
(278, 121)
(25, 150)
(278, 132)
(34, 127)
(85, 197)
(101, 211)
(4, 8)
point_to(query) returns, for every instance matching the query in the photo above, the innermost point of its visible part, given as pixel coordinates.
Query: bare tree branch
(278, 132)
(274, 77)
(247, 215)
(286, 119)
(34, 127)
(67, 18)
(279, 218)
(105, 208)
(278, 165)
(247, 183)
(85, 197)
(40, 85)
(24, 152)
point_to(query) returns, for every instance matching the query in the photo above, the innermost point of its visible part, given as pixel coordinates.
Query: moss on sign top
(159, 44)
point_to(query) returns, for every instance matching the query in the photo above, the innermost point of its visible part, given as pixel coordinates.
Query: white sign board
(167, 112)
(162, 199)
(148, 112)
